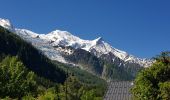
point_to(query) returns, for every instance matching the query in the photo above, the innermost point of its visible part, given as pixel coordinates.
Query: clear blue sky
(139, 27)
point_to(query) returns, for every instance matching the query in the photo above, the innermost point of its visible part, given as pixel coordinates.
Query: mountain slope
(97, 46)
(28, 74)
(13, 45)
(93, 55)
(35, 60)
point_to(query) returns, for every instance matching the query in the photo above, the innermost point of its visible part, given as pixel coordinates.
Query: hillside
(33, 74)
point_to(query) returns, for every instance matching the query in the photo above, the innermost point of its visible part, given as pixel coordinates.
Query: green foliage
(90, 95)
(116, 73)
(84, 76)
(28, 97)
(49, 94)
(18, 82)
(15, 80)
(73, 85)
(70, 89)
(75, 90)
(153, 82)
(165, 90)
(163, 57)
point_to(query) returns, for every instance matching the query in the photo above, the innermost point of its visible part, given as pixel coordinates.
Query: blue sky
(139, 27)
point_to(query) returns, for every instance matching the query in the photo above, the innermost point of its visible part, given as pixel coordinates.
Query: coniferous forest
(26, 74)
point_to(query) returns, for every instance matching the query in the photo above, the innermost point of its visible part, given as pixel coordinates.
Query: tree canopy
(15, 79)
(153, 83)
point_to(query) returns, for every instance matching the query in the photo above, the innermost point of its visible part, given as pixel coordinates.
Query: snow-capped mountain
(47, 44)
(6, 24)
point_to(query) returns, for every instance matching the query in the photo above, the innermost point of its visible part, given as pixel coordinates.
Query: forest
(26, 74)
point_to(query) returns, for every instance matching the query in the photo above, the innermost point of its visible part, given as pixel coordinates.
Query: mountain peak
(6, 24)
(59, 32)
(97, 46)
(98, 40)
(26, 33)
(62, 35)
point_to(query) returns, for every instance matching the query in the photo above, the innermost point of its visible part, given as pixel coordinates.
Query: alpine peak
(6, 24)
(98, 40)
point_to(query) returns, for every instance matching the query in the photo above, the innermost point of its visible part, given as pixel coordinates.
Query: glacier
(46, 43)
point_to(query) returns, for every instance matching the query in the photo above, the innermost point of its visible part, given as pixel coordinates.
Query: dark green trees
(18, 82)
(153, 83)
(15, 79)
(73, 89)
